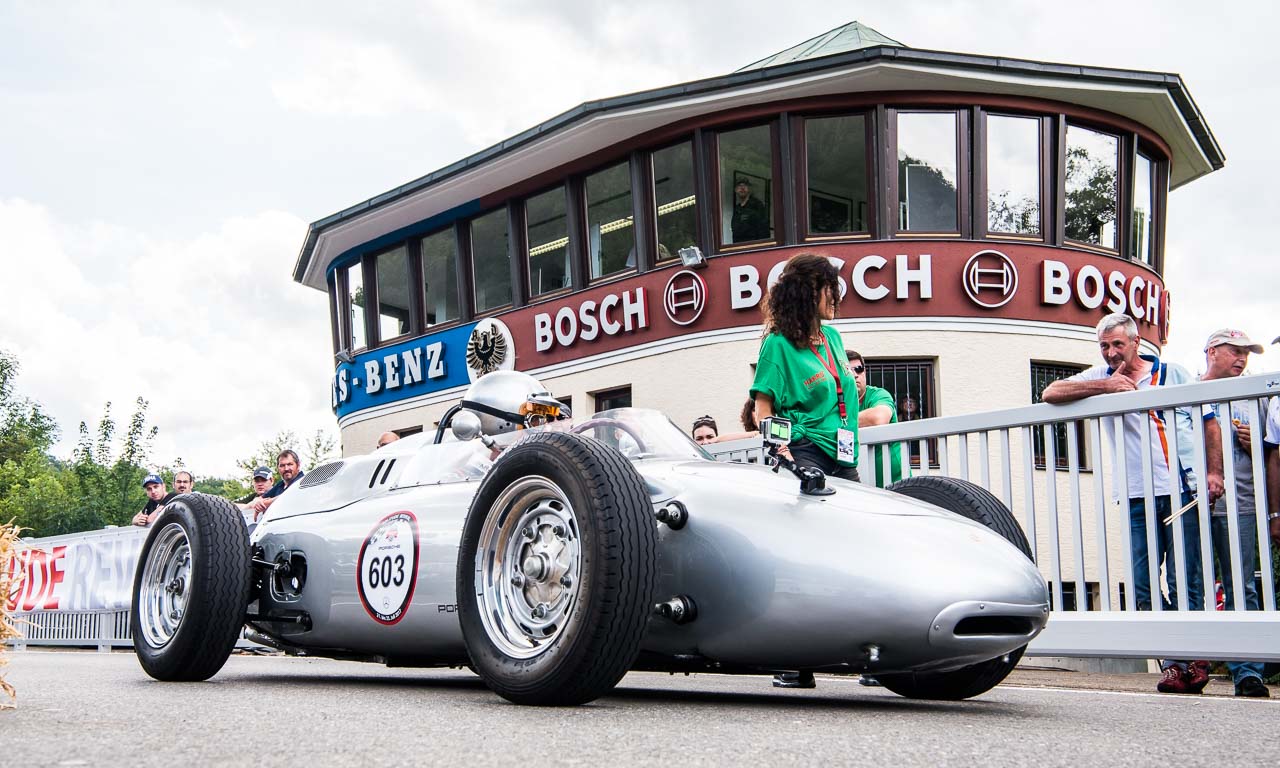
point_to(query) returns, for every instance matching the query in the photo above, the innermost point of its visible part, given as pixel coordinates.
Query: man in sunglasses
(875, 407)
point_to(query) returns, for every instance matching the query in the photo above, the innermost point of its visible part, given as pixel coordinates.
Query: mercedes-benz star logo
(684, 297)
(990, 279)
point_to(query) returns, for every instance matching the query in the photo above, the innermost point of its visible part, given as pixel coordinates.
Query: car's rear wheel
(191, 589)
(980, 505)
(557, 570)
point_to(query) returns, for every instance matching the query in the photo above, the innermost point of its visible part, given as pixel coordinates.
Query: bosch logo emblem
(684, 297)
(990, 279)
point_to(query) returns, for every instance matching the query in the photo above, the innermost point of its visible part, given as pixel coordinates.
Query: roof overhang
(1157, 101)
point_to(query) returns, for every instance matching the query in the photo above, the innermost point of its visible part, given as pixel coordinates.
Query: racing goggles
(537, 411)
(537, 414)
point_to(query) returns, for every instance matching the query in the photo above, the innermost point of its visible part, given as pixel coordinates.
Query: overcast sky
(159, 163)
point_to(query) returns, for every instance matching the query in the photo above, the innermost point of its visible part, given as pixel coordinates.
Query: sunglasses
(857, 368)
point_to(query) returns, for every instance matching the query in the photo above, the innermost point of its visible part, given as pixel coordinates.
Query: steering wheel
(627, 429)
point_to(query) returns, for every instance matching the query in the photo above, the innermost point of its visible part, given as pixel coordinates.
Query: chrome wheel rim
(527, 567)
(166, 586)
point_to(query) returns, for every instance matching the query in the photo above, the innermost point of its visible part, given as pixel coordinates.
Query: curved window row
(961, 172)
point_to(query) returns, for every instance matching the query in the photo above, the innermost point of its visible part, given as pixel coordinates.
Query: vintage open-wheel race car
(554, 559)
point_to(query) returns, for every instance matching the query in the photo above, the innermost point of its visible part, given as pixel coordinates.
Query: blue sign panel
(418, 367)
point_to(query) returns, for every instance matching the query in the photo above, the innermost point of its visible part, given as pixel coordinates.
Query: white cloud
(210, 330)
(339, 77)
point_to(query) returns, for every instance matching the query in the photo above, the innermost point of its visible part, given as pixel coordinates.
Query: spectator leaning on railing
(290, 470)
(261, 484)
(1125, 370)
(1226, 355)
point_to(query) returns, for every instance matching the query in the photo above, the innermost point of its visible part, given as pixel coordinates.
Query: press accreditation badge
(846, 445)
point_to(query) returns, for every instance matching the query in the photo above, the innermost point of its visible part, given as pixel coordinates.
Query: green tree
(24, 426)
(109, 479)
(33, 490)
(315, 450)
(1091, 196)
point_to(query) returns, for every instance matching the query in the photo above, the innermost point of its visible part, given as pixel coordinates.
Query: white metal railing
(103, 629)
(1080, 536)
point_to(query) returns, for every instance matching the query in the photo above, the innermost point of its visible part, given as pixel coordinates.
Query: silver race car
(552, 556)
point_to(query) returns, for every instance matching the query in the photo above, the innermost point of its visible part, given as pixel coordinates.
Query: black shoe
(794, 680)
(1248, 686)
(869, 680)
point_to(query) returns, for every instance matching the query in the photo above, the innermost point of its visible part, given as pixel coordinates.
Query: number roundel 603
(387, 568)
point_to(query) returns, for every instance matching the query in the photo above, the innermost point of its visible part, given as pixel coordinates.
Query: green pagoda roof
(850, 37)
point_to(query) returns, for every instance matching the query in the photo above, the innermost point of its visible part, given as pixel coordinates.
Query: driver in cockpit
(497, 404)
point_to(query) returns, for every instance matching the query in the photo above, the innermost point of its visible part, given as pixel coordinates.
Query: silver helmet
(509, 400)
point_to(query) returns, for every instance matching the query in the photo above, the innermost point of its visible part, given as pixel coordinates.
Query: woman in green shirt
(801, 373)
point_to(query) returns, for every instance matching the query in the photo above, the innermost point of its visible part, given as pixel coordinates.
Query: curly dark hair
(791, 309)
(748, 415)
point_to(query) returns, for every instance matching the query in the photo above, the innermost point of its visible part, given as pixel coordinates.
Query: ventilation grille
(373, 479)
(321, 474)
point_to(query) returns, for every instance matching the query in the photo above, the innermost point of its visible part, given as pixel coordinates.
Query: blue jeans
(1248, 556)
(1165, 554)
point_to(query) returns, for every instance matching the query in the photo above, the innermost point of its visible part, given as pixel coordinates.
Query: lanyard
(829, 363)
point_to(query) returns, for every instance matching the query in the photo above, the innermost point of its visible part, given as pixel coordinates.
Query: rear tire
(191, 589)
(980, 505)
(557, 571)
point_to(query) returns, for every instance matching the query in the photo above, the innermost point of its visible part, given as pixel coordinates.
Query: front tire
(191, 589)
(980, 505)
(557, 571)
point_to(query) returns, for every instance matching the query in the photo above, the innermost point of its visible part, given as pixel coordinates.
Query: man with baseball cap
(157, 497)
(261, 484)
(750, 217)
(1226, 356)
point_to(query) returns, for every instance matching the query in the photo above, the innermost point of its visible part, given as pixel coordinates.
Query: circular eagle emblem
(490, 348)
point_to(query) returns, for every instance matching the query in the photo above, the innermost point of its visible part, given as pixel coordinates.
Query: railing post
(1100, 502)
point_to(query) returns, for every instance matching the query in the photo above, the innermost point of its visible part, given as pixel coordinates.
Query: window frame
(610, 393)
(928, 405)
(1039, 443)
(651, 202)
(341, 275)
(421, 278)
(415, 306)
(981, 166)
(476, 312)
(964, 230)
(571, 251)
(1152, 179)
(801, 154)
(1123, 171)
(584, 209)
(775, 191)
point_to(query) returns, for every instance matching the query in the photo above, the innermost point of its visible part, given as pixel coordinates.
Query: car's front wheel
(191, 589)
(557, 570)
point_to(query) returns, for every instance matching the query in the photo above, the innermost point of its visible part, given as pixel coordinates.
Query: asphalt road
(91, 709)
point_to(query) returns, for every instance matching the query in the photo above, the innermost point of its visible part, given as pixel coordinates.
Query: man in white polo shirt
(1125, 370)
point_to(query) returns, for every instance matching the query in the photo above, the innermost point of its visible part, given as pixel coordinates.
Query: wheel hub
(162, 596)
(527, 564)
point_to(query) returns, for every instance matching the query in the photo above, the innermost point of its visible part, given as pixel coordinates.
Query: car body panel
(863, 579)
